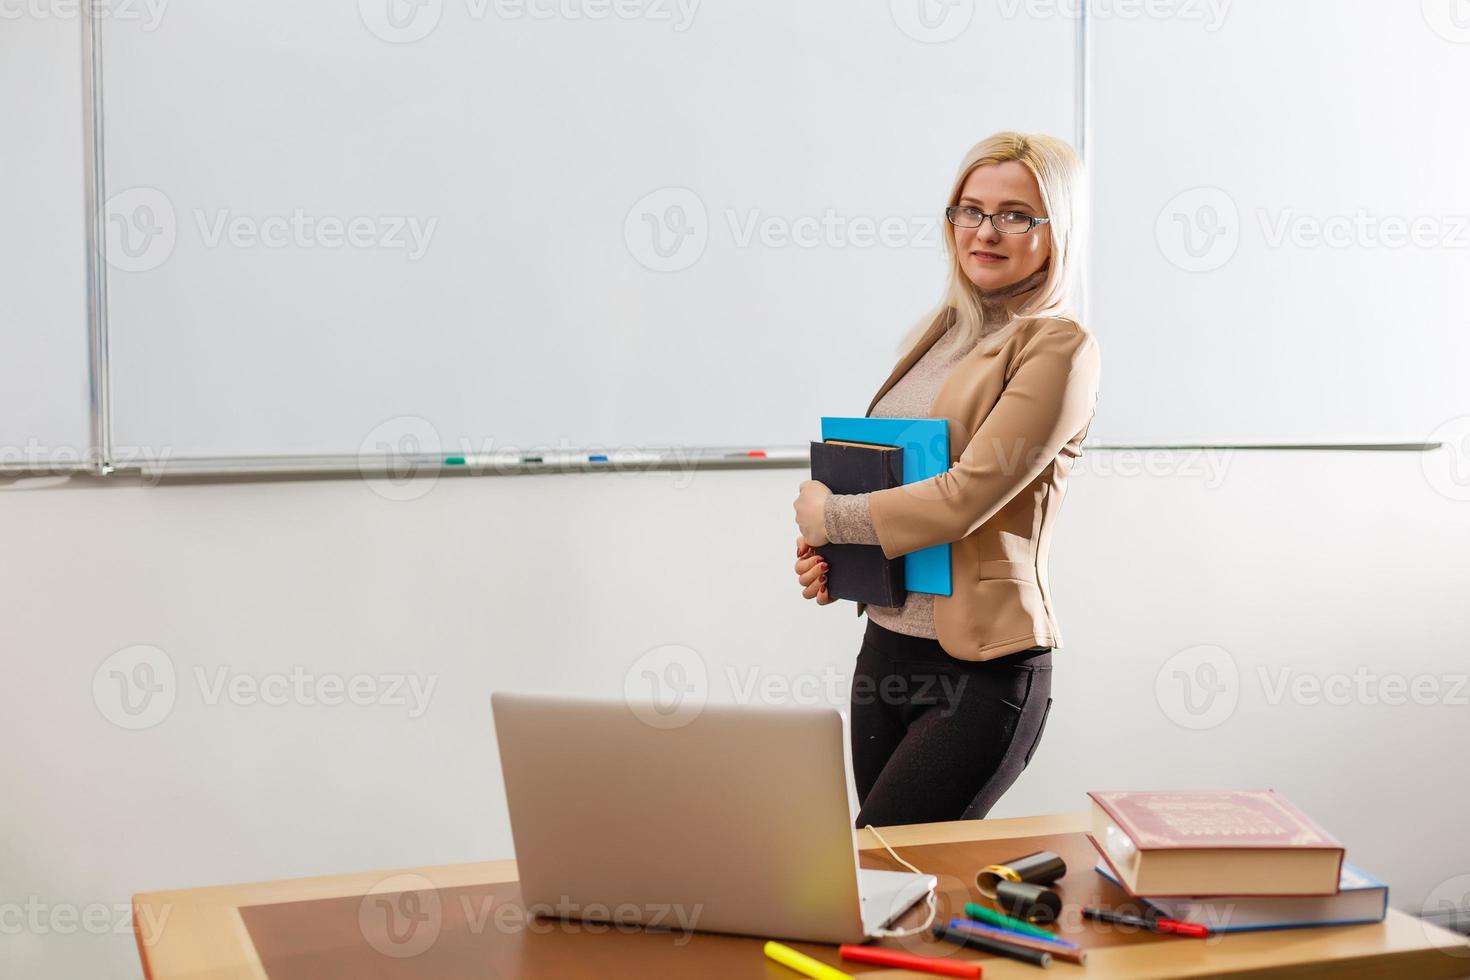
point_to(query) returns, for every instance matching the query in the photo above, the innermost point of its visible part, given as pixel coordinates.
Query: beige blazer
(1017, 414)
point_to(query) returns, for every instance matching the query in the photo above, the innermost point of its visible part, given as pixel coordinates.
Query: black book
(860, 572)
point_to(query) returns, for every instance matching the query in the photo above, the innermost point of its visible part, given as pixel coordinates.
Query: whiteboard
(45, 411)
(532, 225)
(1237, 294)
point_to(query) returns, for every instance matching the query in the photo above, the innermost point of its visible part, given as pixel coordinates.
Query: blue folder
(925, 445)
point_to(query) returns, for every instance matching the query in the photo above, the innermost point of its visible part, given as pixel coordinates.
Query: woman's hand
(811, 572)
(809, 512)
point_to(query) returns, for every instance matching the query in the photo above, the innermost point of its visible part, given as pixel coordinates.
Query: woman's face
(989, 258)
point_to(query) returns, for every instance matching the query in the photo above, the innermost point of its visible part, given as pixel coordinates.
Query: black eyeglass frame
(949, 214)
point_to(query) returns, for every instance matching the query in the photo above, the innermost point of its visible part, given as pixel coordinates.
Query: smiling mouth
(987, 256)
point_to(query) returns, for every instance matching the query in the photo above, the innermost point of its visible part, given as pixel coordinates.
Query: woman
(950, 693)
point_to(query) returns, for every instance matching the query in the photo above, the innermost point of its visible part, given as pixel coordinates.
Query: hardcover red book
(1213, 842)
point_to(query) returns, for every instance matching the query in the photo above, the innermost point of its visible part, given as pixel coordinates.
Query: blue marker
(1000, 932)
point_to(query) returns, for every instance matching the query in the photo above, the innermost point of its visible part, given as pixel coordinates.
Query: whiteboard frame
(99, 385)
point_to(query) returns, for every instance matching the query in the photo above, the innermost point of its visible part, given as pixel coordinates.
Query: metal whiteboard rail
(1357, 447)
(410, 467)
(45, 469)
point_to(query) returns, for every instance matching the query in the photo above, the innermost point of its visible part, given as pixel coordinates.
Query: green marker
(454, 461)
(983, 914)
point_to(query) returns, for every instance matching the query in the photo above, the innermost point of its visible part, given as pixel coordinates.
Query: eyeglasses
(1005, 222)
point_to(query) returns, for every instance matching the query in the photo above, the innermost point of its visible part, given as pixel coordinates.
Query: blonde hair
(1059, 175)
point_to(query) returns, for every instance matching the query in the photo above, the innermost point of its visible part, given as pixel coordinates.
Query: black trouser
(936, 738)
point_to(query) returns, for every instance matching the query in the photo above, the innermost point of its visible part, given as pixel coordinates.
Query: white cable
(929, 921)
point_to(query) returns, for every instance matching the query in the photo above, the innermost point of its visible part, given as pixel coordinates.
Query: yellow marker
(802, 963)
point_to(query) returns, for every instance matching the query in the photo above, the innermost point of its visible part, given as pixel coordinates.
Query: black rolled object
(1034, 903)
(1039, 868)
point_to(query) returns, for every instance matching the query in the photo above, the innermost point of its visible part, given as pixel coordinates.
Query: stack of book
(864, 455)
(1230, 860)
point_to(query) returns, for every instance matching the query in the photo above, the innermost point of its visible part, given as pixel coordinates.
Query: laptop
(733, 821)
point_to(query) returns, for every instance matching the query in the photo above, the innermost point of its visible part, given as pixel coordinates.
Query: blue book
(925, 445)
(1360, 898)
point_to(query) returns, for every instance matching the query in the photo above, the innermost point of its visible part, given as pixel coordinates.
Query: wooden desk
(202, 933)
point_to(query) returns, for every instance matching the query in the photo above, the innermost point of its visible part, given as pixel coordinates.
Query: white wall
(1317, 563)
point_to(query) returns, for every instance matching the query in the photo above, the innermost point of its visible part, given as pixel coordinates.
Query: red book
(1213, 842)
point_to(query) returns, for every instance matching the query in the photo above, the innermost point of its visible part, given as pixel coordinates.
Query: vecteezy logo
(667, 230)
(400, 459)
(401, 915)
(1198, 687)
(1450, 19)
(140, 229)
(667, 687)
(401, 21)
(932, 21)
(136, 687)
(1448, 905)
(1448, 468)
(1199, 229)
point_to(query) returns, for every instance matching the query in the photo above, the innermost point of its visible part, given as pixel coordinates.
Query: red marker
(1160, 924)
(908, 961)
(1181, 928)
